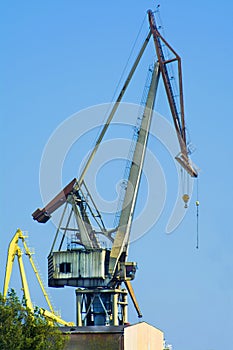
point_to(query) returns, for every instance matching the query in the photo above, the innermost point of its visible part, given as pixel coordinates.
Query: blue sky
(59, 57)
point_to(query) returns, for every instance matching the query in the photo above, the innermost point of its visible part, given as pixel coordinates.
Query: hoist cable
(120, 80)
(197, 205)
(130, 55)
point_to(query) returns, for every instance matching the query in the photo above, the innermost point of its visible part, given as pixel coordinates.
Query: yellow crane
(15, 250)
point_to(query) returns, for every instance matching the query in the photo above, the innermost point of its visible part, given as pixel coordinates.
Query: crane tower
(102, 276)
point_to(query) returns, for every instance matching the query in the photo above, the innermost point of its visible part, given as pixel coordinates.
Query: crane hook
(185, 199)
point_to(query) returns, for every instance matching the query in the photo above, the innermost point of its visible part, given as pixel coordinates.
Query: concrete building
(140, 336)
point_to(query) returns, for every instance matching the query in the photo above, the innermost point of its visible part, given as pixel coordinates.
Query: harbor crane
(102, 276)
(15, 249)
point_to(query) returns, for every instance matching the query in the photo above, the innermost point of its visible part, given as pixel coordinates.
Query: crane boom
(115, 107)
(120, 244)
(43, 215)
(177, 109)
(15, 250)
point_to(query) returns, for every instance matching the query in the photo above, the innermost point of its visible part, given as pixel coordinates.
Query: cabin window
(65, 267)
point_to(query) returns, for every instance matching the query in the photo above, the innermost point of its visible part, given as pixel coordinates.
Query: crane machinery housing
(102, 276)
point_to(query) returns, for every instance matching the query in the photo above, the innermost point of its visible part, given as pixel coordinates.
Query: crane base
(140, 336)
(101, 307)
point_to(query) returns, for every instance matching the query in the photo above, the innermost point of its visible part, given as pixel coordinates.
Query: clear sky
(59, 57)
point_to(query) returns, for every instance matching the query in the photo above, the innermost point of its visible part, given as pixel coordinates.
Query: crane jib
(121, 241)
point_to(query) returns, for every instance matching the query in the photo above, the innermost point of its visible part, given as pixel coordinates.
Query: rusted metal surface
(95, 338)
(95, 342)
(43, 215)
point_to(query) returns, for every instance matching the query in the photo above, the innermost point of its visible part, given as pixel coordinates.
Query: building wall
(96, 341)
(140, 336)
(143, 336)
